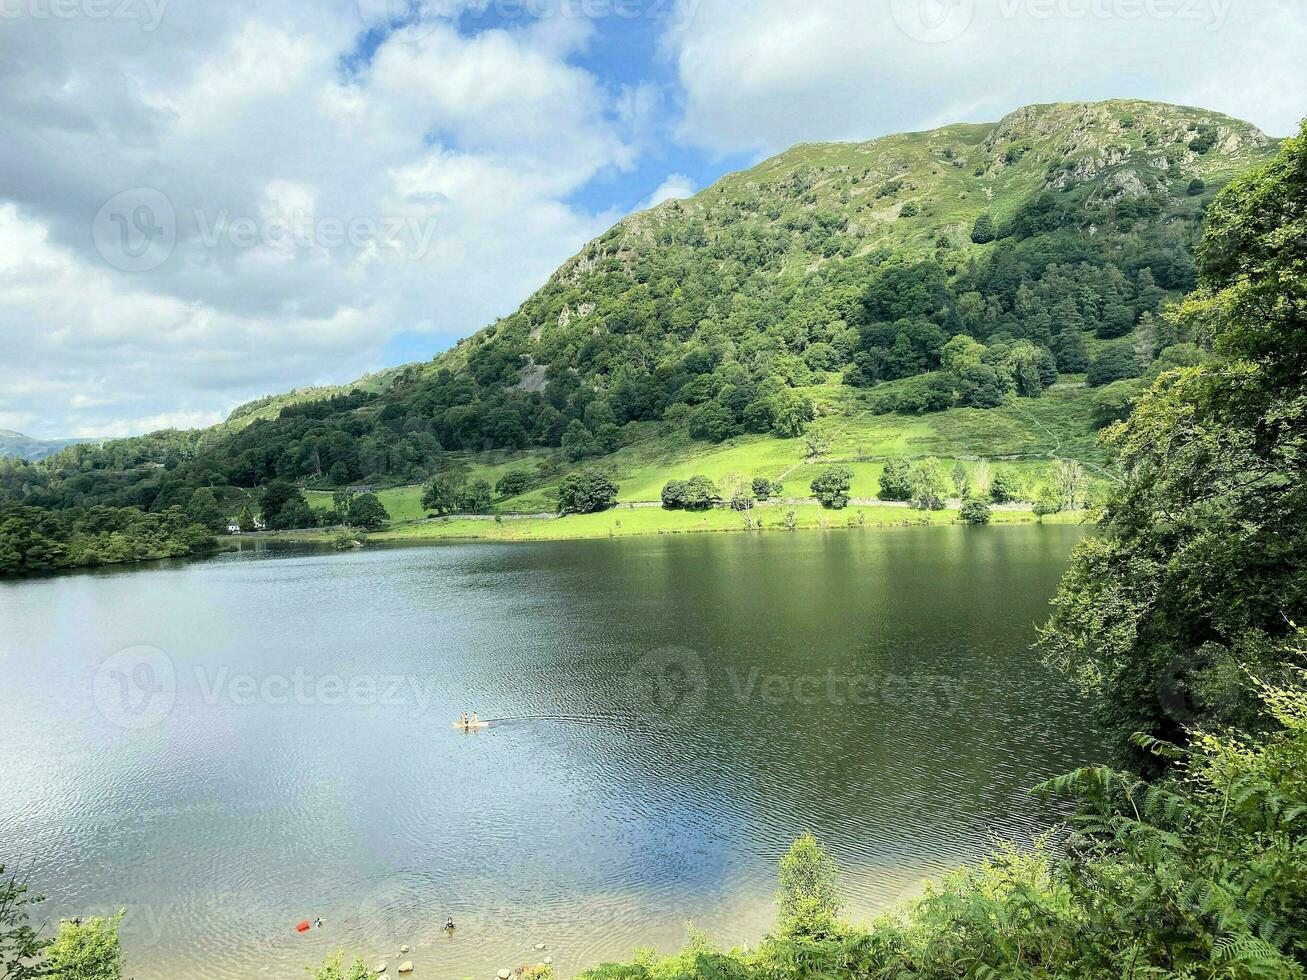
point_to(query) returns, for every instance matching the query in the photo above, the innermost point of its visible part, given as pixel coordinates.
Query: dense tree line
(34, 539)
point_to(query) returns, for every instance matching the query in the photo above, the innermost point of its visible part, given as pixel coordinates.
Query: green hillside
(978, 291)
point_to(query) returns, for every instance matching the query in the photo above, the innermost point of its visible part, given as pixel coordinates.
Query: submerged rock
(406, 966)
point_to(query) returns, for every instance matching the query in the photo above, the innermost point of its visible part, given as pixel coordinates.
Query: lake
(227, 747)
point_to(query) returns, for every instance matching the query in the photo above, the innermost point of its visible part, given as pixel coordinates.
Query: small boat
(471, 726)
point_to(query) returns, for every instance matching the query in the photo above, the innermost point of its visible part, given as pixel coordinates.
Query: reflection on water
(271, 739)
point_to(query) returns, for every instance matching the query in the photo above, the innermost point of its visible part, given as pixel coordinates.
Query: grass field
(623, 522)
(1024, 438)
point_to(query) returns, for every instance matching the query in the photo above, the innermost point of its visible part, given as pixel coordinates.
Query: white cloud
(675, 187)
(764, 75)
(251, 120)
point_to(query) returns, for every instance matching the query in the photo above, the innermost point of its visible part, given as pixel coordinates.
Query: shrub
(896, 480)
(513, 483)
(586, 492)
(808, 900)
(832, 487)
(975, 512)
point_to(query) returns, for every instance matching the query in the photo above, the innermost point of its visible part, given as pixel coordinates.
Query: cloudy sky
(202, 202)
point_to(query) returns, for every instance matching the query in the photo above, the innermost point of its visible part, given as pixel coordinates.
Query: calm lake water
(228, 747)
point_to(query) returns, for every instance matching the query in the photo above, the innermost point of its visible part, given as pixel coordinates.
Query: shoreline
(626, 521)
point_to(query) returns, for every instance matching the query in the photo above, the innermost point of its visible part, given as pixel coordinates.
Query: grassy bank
(625, 522)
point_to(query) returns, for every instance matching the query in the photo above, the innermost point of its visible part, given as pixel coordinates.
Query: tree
(762, 488)
(1070, 484)
(979, 386)
(831, 487)
(203, 509)
(367, 512)
(982, 232)
(1005, 488)
(443, 493)
(696, 493)
(1072, 353)
(808, 900)
(20, 946)
(961, 481)
(87, 950)
(896, 479)
(586, 492)
(929, 485)
(513, 483)
(818, 441)
(578, 442)
(284, 507)
(475, 497)
(975, 512)
(1115, 362)
(1195, 578)
(245, 520)
(981, 478)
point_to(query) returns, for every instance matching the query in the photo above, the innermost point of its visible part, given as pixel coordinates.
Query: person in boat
(474, 721)
(462, 719)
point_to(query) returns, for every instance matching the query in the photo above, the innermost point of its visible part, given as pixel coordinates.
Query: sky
(204, 202)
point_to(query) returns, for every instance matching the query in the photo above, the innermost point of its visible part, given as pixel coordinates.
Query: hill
(15, 445)
(974, 291)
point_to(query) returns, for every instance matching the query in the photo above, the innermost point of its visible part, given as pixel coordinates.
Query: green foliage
(808, 900)
(86, 950)
(1115, 362)
(896, 479)
(1005, 488)
(930, 485)
(982, 232)
(831, 487)
(366, 512)
(283, 507)
(586, 492)
(33, 539)
(21, 947)
(1198, 570)
(975, 512)
(443, 493)
(696, 493)
(333, 968)
(514, 482)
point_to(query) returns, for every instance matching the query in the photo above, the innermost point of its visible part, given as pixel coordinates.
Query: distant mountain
(15, 445)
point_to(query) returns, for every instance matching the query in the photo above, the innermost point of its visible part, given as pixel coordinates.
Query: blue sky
(202, 203)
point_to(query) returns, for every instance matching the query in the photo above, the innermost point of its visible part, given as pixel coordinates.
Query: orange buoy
(303, 926)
